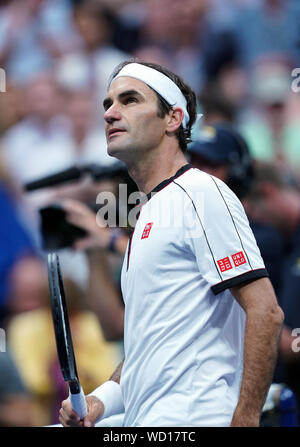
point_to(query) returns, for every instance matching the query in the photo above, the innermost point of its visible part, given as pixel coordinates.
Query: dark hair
(183, 135)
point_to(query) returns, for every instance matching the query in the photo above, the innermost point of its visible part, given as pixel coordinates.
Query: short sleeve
(219, 235)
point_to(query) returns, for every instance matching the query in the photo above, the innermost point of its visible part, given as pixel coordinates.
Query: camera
(56, 231)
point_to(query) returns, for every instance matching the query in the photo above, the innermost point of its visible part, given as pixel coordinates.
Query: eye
(130, 99)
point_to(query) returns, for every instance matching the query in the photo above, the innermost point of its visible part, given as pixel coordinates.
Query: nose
(112, 114)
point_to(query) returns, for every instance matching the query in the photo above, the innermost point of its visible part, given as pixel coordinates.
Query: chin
(120, 151)
(115, 151)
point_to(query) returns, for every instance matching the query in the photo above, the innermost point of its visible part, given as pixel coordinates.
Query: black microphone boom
(97, 172)
(54, 179)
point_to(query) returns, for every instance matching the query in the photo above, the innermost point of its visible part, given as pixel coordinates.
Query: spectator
(32, 34)
(274, 29)
(15, 241)
(274, 200)
(36, 145)
(28, 287)
(272, 134)
(181, 30)
(38, 363)
(86, 133)
(103, 293)
(11, 107)
(225, 90)
(46, 142)
(91, 65)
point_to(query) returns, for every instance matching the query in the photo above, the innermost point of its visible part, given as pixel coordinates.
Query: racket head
(61, 323)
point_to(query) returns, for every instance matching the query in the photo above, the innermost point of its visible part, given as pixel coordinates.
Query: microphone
(96, 171)
(54, 179)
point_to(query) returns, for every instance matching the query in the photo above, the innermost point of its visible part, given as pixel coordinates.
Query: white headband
(158, 82)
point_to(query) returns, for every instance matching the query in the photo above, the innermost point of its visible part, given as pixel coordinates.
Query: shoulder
(195, 178)
(195, 183)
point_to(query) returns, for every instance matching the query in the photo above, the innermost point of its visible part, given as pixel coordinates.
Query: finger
(95, 410)
(69, 420)
(63, 418)
(75, 206)
(74, 219)
(85, 221)
(68, 413)
(87, 422)
(69, 416)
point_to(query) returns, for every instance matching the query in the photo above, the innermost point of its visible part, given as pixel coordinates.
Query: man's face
(132, 125)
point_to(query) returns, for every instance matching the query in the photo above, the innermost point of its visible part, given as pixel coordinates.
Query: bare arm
(116, 376)
(264, 320)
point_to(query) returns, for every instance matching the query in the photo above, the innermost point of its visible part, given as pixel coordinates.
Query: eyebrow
(108, 101)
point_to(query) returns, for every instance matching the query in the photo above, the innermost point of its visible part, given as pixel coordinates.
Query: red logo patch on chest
(239, 259)
(224, 264)
(147, 230)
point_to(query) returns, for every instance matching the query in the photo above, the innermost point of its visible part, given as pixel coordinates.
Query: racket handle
(79, 404)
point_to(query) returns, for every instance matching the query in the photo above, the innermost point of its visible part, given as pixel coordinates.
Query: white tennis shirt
(183, 328)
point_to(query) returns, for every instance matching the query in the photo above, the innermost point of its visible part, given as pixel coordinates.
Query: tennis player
(202, 321)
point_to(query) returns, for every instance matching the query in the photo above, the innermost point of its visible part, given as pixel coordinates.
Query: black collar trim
(164, 183)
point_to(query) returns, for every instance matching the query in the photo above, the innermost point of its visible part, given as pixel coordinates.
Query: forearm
(264, 319)
(260, 352)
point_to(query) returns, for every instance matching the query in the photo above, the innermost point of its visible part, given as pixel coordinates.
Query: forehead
(125, 83)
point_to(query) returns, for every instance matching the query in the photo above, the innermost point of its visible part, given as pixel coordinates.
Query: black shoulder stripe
(234, 224)
(202, 226)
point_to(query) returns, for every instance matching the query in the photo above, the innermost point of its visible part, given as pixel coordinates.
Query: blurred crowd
(238, 55)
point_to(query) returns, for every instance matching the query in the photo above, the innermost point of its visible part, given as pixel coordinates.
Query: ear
(174, 119)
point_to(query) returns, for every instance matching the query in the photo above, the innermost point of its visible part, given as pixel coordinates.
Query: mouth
(115, 131)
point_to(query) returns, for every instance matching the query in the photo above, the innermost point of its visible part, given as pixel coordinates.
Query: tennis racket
(63, 336)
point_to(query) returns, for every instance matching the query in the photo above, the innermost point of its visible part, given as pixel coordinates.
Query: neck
(159, 166)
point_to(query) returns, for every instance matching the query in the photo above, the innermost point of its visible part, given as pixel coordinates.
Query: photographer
(103, 294)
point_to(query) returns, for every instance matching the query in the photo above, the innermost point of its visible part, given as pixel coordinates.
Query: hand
(69, 418)
(80, 215)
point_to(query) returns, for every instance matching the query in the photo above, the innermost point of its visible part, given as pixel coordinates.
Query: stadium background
(241, 58)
